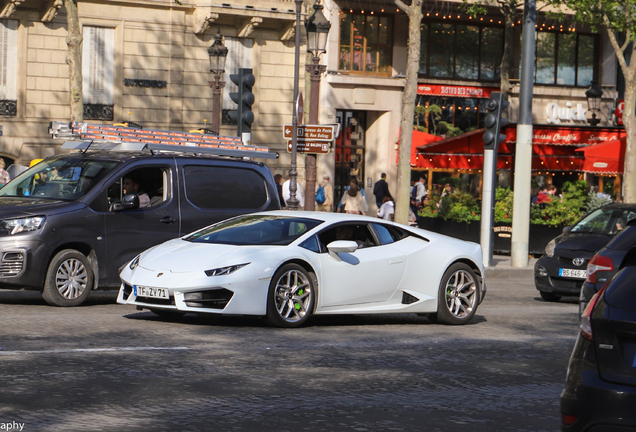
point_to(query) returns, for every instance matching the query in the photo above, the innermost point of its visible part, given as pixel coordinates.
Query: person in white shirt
(287, 193)
(387, 210)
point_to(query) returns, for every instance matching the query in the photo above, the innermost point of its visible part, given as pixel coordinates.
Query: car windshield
(255, 230)
(67, 178)
(607, 221)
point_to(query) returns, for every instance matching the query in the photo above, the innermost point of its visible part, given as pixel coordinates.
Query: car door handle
(396, 261)
(167, 220)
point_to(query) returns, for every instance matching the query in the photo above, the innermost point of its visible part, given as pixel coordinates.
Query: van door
(130, 232)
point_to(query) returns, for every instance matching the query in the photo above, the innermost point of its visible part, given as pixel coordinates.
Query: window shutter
(8, 58)
(98, 56)
(239, 56)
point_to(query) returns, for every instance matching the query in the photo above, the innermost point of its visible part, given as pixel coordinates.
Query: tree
(511, 10)
(414, 12)
(74, 60)
(617, 18)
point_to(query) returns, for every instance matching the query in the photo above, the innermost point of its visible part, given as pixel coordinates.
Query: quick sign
(556, 114)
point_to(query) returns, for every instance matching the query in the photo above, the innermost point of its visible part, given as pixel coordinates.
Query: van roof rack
(84, 136)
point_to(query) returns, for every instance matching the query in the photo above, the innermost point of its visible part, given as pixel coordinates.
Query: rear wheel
(69, 279)
(549, 297)
(290, 300)
(458, 295)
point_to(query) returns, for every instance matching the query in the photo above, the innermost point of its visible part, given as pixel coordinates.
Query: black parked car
(604, 265)
(600, 388)
(68, 224)
(562, 270)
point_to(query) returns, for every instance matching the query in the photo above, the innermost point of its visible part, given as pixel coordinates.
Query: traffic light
(494, 121)
(244, 98)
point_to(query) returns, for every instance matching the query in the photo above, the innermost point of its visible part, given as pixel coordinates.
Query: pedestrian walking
(381, 190)
(326, 196)
(353, 201)
(278, 178)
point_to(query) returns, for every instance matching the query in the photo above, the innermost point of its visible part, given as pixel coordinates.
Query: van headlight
(549, 249)
(20, 225)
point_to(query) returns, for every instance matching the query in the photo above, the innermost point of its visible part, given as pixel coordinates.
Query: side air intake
(408, 298)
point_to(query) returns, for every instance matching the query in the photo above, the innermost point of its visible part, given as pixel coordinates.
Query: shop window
(565, 59)
(8, 61)
(460, 51)
(366, 43)
(239, 55)
(454, 117)
(98, 57)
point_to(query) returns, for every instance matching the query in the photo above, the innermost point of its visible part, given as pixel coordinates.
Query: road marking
(93, 350)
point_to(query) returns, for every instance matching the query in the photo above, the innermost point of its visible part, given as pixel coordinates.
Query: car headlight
(20, 225)
(549, 249)
(134, 263)
(222, 271)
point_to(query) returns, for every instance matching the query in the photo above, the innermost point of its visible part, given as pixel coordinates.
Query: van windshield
(67, 178)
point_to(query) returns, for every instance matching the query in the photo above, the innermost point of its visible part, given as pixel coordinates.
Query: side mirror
(341, 246)
(129, 202)
(566, 229)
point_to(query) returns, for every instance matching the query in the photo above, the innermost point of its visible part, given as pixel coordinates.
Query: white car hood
(180, 256)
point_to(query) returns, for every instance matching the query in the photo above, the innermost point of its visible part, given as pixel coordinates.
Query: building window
(8, 61)
(366, 43)
(239, 55)
(454, 116)
(457, 51)
(98, 57)
(565, 59)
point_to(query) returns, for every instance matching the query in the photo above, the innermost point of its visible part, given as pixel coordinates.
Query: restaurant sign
(567, 136)
(455, 91)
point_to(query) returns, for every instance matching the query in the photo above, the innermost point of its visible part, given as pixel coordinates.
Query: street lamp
(593, 95)
(217, 53)
(317, 27)
(292, 202)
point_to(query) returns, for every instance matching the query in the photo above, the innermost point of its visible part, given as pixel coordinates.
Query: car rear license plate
(141, 291)
(579, 274)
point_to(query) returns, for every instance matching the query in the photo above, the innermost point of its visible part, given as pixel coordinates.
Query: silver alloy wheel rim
(461, 292)
(293, 296)
(71, 279)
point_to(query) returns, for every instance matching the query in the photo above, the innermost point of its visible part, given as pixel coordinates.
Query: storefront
(559, 154)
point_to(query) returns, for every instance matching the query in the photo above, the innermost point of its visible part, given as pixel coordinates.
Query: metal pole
(292, 202)
(315, 72)
(488, 205)
(217, 87)
(523, 152)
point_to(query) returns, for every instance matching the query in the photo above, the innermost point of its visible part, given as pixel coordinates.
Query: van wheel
(69, 279)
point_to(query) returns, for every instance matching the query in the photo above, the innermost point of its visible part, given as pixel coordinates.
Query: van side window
(214, 187)
(150, 183)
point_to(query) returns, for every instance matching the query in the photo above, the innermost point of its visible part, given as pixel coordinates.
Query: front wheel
(290, 300)
(69, 279)
(458, 295)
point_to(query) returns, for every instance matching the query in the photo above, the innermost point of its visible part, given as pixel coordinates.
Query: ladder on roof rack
(82, 136)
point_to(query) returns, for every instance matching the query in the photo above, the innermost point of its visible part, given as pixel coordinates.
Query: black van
(67, 224)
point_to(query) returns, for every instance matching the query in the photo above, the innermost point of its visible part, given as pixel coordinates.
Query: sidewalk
(501, 269)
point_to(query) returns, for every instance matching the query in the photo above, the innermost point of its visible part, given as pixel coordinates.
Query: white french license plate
(578, 274)
(141, 291)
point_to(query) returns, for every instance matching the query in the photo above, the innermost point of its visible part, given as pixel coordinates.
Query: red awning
(605, 158)
(466, 151)
(419, 139)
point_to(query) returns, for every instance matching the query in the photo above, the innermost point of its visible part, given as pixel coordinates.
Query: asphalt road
(109, 367)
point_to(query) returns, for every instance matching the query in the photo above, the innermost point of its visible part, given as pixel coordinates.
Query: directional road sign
(312, 132)
(314, 147)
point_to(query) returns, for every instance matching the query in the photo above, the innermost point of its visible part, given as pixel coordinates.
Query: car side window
(311, 244)
(358, 232)
(384, 235)
(217, 187)
(150, 183)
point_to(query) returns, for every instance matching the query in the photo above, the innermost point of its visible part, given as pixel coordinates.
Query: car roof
(324, 216)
